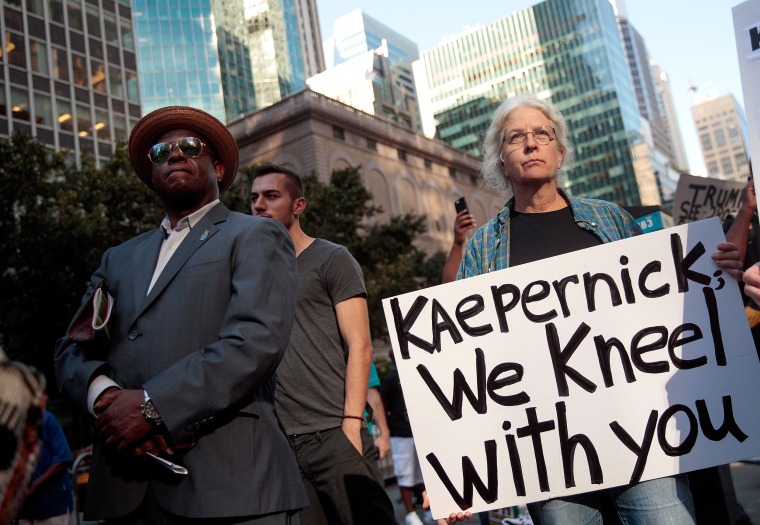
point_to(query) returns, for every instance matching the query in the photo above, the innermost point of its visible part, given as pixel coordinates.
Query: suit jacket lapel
(206, 228)
(145, 256)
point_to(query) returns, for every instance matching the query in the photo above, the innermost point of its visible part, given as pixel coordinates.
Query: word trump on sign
(607, 366)
(700, 198)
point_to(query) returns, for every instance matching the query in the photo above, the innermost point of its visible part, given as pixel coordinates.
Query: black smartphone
(460, 204)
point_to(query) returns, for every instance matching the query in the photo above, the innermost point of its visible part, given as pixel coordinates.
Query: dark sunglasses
(189, 146)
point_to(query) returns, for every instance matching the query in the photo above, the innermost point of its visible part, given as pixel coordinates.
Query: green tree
(57, 220)
(342, 212)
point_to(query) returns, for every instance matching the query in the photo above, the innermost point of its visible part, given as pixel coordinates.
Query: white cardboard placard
(523, 346)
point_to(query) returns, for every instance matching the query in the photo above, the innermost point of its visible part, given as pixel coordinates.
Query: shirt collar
(188, 221)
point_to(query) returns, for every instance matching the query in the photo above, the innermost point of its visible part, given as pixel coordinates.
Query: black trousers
(344, 487)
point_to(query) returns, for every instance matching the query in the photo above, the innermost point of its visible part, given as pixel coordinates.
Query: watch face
(149, 410)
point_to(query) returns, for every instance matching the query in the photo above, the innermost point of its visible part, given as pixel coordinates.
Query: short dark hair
(292, 179)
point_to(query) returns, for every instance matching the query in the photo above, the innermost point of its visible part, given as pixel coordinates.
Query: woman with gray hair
(526, 150)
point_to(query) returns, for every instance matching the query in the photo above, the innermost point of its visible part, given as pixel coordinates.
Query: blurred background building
(722, 130)
(68, 73)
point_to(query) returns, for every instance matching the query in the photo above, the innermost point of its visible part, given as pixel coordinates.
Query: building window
(704, 138)
(98, 79)
(372, 144)
(60, 64)
(712, 168)
(720, 138)
(43, 110)
(65, 118)
(75, 14)
(733, 133)
(726, 166)
(101, 125)
(79, 68)
(119, 128)
(339, 133)
(740, 159)
(114, 78)
(132, 92)
(35, 6)
(110, 29)
(401, 154)
(93, 22)
(84, 122)
(15, 48)
(453, 173)
(428, 164)
(55, 8)
(127, 38)
(38, 54)
(20, 103)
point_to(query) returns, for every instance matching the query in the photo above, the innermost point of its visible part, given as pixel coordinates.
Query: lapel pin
(204, 236)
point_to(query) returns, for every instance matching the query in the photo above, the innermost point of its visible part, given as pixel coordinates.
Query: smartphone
(460, 204)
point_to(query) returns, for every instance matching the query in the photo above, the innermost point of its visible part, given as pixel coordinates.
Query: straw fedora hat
(147, 130)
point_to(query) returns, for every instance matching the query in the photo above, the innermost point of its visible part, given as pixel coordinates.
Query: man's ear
(219, 169)
(299, 205)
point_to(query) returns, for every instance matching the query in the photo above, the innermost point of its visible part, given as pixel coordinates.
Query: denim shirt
(488, 249)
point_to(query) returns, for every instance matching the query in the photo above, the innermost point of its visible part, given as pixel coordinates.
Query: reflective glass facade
(565, 51)
(275, 49)
(68, 73)
(178, 55)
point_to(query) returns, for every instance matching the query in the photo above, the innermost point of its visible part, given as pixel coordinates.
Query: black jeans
(344, 487)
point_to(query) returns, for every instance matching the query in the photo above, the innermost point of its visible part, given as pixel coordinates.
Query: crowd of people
(232, 384)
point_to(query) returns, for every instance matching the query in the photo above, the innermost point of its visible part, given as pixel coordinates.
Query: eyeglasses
(543, 135)
(189, 146)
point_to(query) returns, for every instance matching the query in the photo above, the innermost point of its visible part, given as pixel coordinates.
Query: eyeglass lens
(188, 146)
(542, 135)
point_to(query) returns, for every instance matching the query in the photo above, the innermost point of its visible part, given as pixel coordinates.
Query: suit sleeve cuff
(97, 387)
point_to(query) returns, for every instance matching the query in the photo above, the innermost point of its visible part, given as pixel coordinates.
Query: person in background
(49, 498)
(526, 151)
(322, 381)
(375, 402)
(406, 465)
(464, 221)
(22, 403)
(744, 232)
(203, 308)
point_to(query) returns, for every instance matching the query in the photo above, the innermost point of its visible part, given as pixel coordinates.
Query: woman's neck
(539, 200)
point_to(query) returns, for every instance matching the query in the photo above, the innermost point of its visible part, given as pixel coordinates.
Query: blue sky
(693, 41)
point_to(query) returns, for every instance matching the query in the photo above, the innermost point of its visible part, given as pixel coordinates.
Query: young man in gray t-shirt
(322, 380)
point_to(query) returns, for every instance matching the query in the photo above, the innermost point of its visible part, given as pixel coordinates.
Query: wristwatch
(149, 411)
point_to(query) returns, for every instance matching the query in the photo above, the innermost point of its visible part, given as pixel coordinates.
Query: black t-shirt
(536, 236)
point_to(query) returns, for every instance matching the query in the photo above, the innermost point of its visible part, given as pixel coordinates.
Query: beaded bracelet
(360, 418)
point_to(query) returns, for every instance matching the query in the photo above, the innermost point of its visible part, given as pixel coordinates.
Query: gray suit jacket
(204, 343)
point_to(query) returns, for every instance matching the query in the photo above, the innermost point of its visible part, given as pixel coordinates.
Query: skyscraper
(644, 84)
(68, 73)
(227, 57)
(356, 33)
(567, 52)
(193, 53)
(722, 130)
(680, 160)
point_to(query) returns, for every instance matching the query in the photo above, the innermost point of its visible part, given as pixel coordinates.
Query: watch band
(149, 410)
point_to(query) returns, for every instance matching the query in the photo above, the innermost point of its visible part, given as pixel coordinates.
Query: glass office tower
(193, 53)
(68, 73)
(567, 52)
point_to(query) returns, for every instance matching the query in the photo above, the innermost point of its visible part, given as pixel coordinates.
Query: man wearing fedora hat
(203, 307)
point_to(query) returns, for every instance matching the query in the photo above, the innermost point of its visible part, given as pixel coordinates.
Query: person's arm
(353, 323)
(51, 474)
(738, 233)
(463, 222)
(751, 280)
(383, 441)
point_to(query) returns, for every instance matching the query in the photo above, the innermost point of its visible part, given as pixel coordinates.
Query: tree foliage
(342, 212)
(57, 220)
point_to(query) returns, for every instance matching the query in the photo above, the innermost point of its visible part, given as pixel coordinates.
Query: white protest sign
(700, 198)
(628, 361)
(747, 33)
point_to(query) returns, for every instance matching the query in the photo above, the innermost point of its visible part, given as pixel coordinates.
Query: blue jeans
(663, 501)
